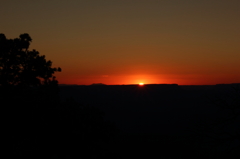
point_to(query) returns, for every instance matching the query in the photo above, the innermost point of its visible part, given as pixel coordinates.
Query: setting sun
(141, 84)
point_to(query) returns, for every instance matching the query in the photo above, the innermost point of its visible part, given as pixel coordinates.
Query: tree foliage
(20, 66)
(38, 122)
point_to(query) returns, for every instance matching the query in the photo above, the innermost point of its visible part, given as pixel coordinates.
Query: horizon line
(102, 84)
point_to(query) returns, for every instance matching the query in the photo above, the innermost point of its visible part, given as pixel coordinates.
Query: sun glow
(141, 84)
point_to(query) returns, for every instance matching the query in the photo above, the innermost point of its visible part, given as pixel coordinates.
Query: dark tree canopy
(20, 66)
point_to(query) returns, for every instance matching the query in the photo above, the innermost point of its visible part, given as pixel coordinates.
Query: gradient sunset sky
(187, 42)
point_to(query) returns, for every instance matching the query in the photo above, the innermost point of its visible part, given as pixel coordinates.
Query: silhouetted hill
(135, 107)
(149, 112)
(123, 121)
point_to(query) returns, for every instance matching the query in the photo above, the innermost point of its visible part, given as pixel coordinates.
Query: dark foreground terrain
(168, 120)
(127, 121)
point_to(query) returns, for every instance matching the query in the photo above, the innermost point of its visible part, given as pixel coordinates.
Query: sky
(186, 42)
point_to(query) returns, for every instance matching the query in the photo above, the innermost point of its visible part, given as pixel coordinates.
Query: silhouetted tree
(39, 124)
(28, 91)
(20, 66)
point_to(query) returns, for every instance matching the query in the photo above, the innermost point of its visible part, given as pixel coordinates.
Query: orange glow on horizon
(141, 84)
(126, 79)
